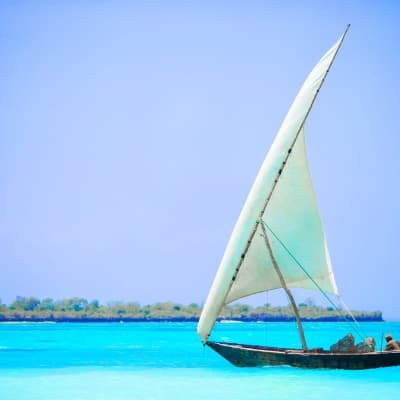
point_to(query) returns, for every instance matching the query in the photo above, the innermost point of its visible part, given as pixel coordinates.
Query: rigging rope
(344, 305)
(357, 328)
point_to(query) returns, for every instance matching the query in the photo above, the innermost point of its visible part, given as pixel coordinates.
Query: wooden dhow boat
(278, 243)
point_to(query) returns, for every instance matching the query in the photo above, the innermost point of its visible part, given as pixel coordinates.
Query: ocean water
(167, 361)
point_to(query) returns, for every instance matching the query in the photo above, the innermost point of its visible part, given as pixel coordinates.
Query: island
(77, 309)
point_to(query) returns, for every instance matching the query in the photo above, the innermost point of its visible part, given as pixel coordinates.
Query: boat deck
(243, 355)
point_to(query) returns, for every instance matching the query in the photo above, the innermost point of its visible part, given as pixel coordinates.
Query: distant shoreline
(182, 319)
(77, 309)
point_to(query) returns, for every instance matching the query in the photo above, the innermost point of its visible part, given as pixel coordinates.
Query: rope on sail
(344, 316)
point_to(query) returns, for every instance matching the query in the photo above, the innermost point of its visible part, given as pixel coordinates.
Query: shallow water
(166, 361)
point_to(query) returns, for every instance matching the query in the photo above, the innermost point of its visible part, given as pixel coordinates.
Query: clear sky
(131, 133)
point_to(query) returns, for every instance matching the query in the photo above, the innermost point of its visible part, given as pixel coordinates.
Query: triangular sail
(295, 232)
(290, 212)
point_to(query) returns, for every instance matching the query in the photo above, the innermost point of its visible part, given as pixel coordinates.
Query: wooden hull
(243, 355)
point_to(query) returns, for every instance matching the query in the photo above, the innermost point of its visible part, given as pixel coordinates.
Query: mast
(236, 252)
(265, 235)
(278, 175)
(284, 286)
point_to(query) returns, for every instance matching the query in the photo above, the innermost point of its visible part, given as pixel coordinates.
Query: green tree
(25, 303)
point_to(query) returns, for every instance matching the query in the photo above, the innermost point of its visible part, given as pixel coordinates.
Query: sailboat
(278, 242)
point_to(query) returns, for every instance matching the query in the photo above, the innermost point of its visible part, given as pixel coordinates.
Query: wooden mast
(285, 160)
(205, 324)
(278, 176)
(284, 286)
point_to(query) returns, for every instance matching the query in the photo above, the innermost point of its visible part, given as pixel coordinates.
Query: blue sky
(131, 133)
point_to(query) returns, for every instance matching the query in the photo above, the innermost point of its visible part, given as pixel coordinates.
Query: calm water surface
(166, 361)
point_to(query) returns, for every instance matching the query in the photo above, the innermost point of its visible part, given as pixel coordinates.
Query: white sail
(291, 217)
(295, 233)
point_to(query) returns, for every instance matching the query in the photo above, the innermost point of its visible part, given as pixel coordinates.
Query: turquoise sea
(167, 361)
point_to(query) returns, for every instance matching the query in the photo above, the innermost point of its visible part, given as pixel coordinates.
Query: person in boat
(391, 344)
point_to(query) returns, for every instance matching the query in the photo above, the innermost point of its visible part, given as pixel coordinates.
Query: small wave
(27, 322)
(230, 321)
(23, 350)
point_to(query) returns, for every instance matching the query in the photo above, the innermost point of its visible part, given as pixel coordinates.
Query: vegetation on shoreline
(78, 309)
